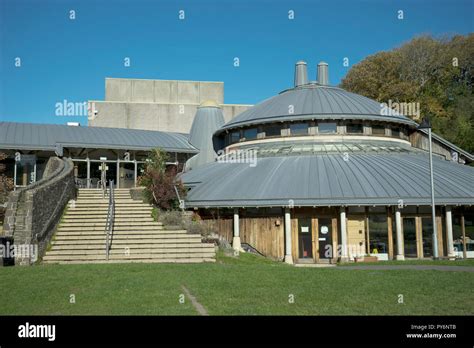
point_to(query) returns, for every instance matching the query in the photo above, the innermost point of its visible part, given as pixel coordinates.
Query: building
(164, 105)
(317, 174)
(314, 174)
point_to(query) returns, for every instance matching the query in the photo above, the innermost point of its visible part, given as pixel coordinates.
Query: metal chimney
(301, 73)
(323, 73)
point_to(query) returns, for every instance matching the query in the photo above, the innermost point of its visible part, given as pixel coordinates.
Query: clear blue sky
(69, 59)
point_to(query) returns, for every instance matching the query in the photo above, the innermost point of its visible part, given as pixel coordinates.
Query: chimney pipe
(323, 73)
(301, 73)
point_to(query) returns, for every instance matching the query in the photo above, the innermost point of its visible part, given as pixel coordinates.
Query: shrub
(160, 181)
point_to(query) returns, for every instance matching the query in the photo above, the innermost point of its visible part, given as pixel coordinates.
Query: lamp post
(426, 124)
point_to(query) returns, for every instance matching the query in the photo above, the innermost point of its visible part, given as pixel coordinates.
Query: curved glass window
(378, 130)
(250, 133)
(327, 127)
(298, 128)
(272, 131)
(354, 128)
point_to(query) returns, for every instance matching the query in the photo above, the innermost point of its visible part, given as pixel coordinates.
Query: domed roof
(315, 101)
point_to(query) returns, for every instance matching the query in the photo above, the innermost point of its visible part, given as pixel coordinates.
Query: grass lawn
(460, 262)
(248, 285)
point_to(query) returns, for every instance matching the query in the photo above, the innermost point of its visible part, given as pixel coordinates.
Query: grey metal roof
(314, 101)
(329, 180)
(31, 136)
(443, 141)
(208, 119)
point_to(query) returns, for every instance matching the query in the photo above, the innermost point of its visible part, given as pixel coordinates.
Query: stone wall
(34, 211)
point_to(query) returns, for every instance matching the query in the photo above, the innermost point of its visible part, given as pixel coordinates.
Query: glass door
(325, 238)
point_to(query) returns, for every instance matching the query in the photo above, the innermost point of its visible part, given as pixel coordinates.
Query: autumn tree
(437, 73)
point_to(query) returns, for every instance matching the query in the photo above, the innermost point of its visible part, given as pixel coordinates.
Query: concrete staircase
(80, 237)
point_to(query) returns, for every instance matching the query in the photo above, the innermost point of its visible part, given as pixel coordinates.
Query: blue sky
(63, 59)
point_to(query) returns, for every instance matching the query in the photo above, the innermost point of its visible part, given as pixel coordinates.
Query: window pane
(354, 128)
(378, 234)
(327, 127)
(272, 131)
(234, 137)
(250, 133)
(378, 130)
(298, 128)
(395, 132)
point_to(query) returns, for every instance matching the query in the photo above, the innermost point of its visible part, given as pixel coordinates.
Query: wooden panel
(439, 224)
(315, 236)
(356, 234)
(419, 237)
(294, 238)
(335, 251)
(390, 233)
(263, 234)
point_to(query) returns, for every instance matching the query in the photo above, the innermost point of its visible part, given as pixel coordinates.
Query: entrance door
(409, 237)
(305, 241)
(127, 175)
(325, 238)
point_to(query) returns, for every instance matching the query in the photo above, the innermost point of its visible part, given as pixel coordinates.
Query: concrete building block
(163, 91)
(143, 116)
(211, 91)
(110, 115)
(173, 92)
(177, 121)
(143, 91)
(188, 92)
(118, 89)
(227, 111)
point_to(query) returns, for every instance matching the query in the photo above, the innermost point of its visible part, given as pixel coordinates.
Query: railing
(109, 225)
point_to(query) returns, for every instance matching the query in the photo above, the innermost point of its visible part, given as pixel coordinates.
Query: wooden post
(419, 237)
(463, 230)
(390, 233)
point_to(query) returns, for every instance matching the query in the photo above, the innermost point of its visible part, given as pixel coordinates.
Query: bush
(160, 181)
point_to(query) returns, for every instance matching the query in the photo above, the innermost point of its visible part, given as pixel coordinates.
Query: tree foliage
(160, 181)
(437, 73)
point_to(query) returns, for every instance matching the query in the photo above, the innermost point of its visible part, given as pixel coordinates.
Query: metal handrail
(109, 225)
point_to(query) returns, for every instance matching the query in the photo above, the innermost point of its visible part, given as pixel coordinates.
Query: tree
(160, 181)
(437, 73)
(6, 184)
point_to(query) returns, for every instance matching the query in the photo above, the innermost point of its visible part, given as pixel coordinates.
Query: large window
(378, 130)
(298, 128)
(327, 127)
(272, 131)
(378, 234)
(354, 128)
(250, 133)
(234, 137)
(395, 132)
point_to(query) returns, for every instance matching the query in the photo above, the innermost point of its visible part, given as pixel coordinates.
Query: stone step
(101, 246)
(136, 227)
(176, 255)
(118, 217)
(136, 251)
(87, 210)
(79, 243)
(170, 260)
(127, 232)
(117, 223)
(84, 239)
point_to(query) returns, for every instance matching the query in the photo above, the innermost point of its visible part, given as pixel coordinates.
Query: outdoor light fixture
(426, 124)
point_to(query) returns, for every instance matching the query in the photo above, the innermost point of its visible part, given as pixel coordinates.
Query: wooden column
(343, 221)
(398, 225)
(449, 233)
(390, 233)
(419, 237)
(463, 231)
(288, 256)
(439, 224)
(236, 238)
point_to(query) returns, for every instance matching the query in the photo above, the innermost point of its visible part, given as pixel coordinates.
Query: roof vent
(301, 73)
(323, 74)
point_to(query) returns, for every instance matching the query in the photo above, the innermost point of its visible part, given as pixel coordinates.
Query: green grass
(248, 285)
(468, 262)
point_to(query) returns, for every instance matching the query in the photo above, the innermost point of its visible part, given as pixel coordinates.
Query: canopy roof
(329, 178)
(31, 136)
(313, 101)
